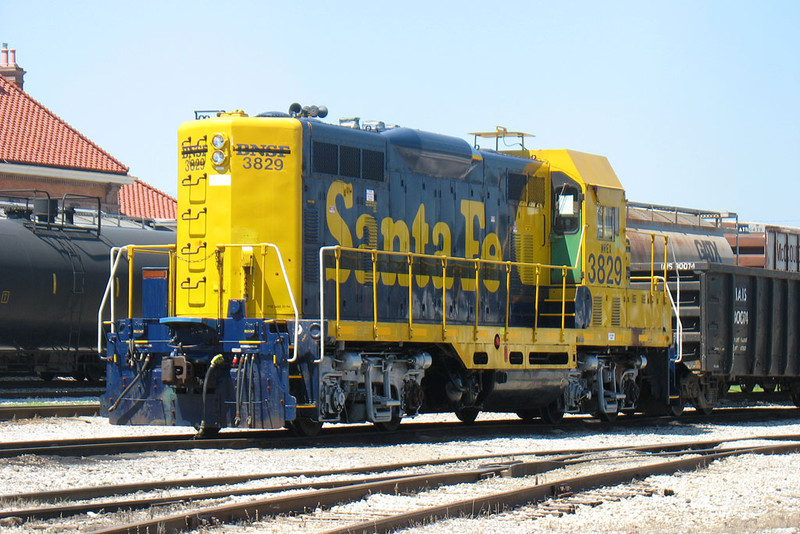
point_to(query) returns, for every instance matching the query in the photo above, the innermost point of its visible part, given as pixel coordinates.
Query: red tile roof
(141, 200)
(32, 134)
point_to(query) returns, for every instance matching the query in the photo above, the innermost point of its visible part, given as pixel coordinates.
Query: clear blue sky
(695, 103)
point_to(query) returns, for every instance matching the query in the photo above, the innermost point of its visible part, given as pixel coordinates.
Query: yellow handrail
(220, 248)
(115, 255)
(477, 263)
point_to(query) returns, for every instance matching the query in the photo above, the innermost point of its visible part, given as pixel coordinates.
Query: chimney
(8, 66)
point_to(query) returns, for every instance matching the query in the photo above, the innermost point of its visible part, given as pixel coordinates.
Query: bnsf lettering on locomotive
(188, 151)
(272, 151)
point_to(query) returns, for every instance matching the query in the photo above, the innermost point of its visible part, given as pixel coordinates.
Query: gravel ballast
(743, 494)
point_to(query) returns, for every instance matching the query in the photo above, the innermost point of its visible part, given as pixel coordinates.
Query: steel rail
(326, 498)
(538, 492)
(409, 433)
(139, 503)
(310, 500)
(8, 413)
(568, 457)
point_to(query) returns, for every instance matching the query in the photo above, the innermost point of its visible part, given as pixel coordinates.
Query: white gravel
(743, 494)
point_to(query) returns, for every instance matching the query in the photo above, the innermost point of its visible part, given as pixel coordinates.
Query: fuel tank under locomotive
(52, 279)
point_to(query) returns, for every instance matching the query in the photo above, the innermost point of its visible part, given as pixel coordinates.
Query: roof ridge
(24, 94)
(157, 190)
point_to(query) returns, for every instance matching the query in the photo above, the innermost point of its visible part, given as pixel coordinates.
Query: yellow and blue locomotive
(331, 273)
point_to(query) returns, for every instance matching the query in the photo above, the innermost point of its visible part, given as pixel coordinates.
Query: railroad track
(32, 389)
(366, 435)
(555, 481)
(8, 413)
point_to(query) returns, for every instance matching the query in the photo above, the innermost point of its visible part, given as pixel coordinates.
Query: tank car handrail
(286, 281)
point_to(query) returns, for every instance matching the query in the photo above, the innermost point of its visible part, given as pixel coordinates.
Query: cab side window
(566, 210)
(607, 222)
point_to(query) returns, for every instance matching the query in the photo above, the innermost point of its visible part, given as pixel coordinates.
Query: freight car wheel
(467, 415)
(553, 413)
(796, 399)
(305, 426)
(702, 404)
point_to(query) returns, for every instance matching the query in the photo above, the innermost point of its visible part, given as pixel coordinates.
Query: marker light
(218, 141)
(218, 157)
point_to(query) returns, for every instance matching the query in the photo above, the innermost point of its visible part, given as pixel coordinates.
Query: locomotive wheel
(528, 416)
(389, 426)
(467, 415)
(607, 417)
(207, 432)
(656, 409)
(676, 411)
(552, 414)
(796, 399)
(768, 388)
(746, 387)
(305, 426)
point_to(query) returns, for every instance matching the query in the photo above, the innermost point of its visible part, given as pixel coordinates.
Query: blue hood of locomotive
(432, 154)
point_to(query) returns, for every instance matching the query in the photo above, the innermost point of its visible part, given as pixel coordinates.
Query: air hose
(215, 361)
(129, 386)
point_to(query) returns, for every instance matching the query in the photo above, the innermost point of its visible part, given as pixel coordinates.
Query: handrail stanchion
(563, 297)
(322, 251)
(652, 261)
(508, 298)
(410, 296)
(477, 297)
(666, 239)
(219, 254)
(130, 280)
(337, 256)
(444, 298)
(114, 256)
(374, 294)
(536, 305)
(291, 299)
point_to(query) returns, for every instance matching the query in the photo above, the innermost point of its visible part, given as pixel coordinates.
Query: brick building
(38, 150)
